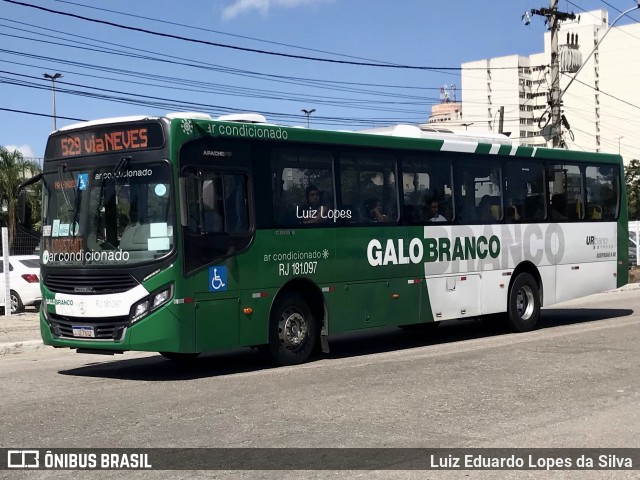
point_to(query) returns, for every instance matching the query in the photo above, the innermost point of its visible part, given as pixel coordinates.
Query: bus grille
(90, 284)
(108, 328)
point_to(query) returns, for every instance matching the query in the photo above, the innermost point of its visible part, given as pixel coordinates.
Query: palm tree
(14, 169)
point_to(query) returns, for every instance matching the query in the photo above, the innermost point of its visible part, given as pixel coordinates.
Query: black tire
(523, 308)
(16, 303)
(293, 330)
(180, 358)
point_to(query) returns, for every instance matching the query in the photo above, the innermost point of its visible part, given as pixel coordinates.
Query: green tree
(14, 169)
(632, 179)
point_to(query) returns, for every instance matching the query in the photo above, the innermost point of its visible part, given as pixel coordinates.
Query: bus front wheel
(523, 310)
(292, 330)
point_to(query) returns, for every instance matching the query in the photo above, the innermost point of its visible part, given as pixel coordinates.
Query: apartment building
(601, 106)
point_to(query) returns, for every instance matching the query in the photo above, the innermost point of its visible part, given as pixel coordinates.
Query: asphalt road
(573, 383)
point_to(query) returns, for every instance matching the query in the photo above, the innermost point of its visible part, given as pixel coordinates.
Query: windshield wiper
(122, 163)
(61, 169)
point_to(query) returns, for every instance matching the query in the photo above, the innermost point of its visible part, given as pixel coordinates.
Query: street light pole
(619, 138)
(53, 79)
(308, 114)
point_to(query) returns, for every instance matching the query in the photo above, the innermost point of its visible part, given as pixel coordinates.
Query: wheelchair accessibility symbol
(217, 279)
(83, 180)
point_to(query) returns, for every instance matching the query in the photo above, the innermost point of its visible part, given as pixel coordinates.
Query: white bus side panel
(455, 296)
(495, 287)
(573, 259)
(587, 261)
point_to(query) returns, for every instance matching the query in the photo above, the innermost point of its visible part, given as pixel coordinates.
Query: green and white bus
(186, 234)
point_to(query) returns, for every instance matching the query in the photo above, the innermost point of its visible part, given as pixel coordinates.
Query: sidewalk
(21, 332)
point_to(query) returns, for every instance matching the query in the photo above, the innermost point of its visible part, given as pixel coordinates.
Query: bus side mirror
(22, 208)
(22, 199)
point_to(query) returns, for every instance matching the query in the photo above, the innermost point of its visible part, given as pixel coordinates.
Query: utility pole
(553, 19)
(501, 121)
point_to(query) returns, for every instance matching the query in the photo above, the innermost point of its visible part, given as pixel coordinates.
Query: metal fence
(21, 243)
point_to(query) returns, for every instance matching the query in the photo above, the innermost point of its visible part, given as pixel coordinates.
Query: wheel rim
(525, 302)
(292, 329)
(14, 304)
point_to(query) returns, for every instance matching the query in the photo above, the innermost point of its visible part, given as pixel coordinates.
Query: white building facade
(601, 106)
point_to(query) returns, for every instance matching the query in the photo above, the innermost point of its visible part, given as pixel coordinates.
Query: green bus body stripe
(483, 148)
(504, 150)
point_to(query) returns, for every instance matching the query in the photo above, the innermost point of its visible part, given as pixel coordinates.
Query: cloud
(25, 150)
(239, 7)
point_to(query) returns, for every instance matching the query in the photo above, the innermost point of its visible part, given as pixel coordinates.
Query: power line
(244, 49)
(177, 105)
(602, 92)
(193, 27)
(41, 114)
(611, 6)
(332, 85)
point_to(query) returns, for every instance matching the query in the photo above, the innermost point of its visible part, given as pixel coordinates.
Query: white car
(24, 282)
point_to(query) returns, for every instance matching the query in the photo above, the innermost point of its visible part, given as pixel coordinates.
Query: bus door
(217, 227)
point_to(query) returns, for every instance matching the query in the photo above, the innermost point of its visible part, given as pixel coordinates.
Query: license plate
(86, 332)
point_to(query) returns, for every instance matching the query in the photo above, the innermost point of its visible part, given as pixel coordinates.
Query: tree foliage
(632, 179)
(14, 169)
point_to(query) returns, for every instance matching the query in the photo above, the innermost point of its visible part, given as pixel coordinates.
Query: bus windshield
(118, 214)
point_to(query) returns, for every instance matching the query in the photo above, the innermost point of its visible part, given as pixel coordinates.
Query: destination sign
(106, 139)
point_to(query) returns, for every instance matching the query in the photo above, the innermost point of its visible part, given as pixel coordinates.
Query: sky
(118, 58)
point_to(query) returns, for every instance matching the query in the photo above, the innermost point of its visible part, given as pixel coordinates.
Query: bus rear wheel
(293, 330)
(523, 310)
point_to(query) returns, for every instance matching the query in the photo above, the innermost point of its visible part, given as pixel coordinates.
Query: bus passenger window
(302, 183)
(524, 192)
(216, 202)
(602, 192)
(368, 179)
(565, 190)
(427, 191)
(478, 196)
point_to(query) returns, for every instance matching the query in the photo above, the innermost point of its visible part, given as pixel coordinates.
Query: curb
(628, 286)
(20, 347)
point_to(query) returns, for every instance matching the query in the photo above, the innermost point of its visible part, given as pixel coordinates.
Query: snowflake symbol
(325, 254)
(187, 127)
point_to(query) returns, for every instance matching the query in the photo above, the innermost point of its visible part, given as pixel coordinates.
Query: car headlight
(151, 302)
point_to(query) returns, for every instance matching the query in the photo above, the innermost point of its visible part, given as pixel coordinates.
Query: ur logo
(217, 279)
(23, 458)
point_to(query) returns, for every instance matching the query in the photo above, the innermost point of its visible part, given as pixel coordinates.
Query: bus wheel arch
(524, 299)
(297, 322)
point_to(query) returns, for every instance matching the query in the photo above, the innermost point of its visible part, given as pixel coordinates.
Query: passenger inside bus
(489, 209)
(513, 211)
(376, 211)
(434, 211)
(428, 211)
(313, 211)
(558, 207)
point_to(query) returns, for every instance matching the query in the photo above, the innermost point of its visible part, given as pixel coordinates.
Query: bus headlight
(151, 302)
